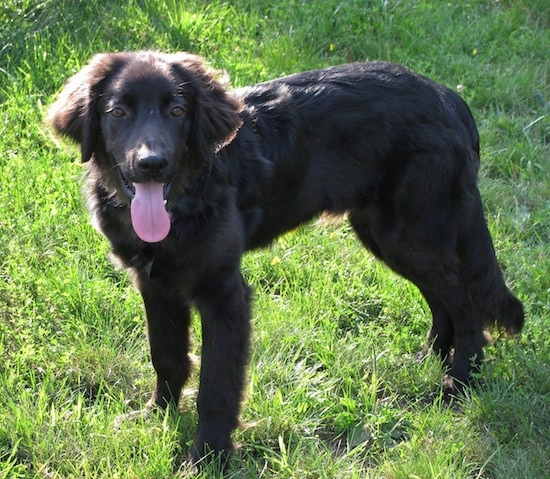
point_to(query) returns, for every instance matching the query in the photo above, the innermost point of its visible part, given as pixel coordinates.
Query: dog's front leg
(168, 318)
(225, 314)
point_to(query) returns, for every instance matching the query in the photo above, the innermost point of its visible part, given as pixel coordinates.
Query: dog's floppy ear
(215, 115)
(74, 113)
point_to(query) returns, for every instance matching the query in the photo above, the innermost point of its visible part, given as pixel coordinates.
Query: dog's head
(153, 118)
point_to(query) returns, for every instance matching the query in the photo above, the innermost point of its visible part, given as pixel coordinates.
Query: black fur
(399, 153)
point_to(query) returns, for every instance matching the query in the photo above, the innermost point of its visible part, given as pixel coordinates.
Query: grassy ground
(334, 391)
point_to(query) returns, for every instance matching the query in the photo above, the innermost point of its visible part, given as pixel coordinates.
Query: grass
(334, 391)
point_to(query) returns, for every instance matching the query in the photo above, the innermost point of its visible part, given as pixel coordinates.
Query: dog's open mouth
(150, 220)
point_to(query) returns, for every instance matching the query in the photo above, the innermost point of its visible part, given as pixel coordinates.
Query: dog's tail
(483, 277)
(481, 273)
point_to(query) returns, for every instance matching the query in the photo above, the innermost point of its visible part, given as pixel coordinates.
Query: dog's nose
(152, 166)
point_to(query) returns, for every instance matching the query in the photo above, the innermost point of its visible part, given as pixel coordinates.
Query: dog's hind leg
(427, 256)
(441, 334)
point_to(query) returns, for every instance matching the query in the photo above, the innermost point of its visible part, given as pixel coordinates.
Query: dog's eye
(117, 112)
(177, 111)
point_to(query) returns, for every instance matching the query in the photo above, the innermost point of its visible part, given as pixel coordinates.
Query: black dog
(184, 176)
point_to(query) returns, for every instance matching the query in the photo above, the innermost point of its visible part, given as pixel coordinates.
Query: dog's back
(341, 137)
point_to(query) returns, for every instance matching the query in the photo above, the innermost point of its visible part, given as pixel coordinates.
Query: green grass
(334, 390)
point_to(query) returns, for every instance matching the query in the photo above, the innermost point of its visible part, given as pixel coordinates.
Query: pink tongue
(149, 216)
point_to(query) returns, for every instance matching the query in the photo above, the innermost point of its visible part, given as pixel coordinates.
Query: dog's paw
(203, 458)
(212, 447)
